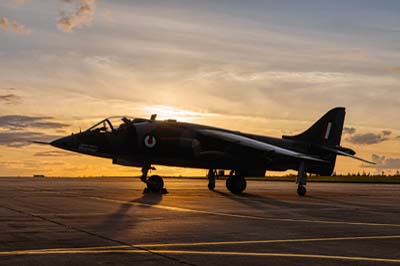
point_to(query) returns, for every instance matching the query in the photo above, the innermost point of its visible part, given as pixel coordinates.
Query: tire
(155, 183)
(301, 191)
(236, 184)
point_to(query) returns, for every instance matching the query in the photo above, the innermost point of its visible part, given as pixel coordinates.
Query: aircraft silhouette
(142, 143)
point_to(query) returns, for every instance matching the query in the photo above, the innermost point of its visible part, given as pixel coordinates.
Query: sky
(264, 67)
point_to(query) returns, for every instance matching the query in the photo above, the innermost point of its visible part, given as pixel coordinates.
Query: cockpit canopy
(115, 123)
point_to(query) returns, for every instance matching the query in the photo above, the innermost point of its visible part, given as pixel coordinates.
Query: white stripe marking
(195, 252)
(270, 241)
(328, 130)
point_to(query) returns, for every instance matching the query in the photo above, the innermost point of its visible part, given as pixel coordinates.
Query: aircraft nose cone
(66, 143)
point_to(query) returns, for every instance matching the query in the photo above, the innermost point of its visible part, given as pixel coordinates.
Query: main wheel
(301, 190)
(211, 186)
(155, 183)
(236, 184)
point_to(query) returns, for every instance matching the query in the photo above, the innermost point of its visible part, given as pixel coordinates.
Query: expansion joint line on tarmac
(139, 249)
(244, 216)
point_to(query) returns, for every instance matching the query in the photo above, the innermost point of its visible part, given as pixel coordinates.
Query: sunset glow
(266, 67)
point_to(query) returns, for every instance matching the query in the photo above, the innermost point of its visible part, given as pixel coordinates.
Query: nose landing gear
(235, 183)
(155, 183)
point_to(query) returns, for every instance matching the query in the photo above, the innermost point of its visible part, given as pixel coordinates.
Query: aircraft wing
(340, 152)
(258, 145)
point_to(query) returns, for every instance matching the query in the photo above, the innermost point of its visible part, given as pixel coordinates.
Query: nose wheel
(155, 183)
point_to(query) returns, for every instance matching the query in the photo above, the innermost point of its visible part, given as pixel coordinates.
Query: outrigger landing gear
(301, 180)
(211, 179)
(236, 183)
(155, 183)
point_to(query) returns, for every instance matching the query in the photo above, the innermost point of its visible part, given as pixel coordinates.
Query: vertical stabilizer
(326, 131)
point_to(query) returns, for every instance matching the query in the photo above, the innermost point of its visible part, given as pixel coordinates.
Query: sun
(170, 112)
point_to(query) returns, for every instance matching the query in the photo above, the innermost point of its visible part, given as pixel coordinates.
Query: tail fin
(327, 130)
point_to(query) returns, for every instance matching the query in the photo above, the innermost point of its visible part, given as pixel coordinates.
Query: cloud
(386, 132)
(384, 163)
(349, 130)
(15, 122)
(369, 138)
(83, 16)
(10, 98)
(19, 138)
(395, 70)
(366, 138)
(26, 164)
(16, 3)
(16, 130)
(53, 154)
(12, 26)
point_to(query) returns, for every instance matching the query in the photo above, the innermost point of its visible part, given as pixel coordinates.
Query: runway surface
(108, 221)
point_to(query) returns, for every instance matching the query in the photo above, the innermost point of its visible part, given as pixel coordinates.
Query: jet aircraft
(140, 142)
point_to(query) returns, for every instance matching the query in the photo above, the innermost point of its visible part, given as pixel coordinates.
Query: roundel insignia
(150, 141)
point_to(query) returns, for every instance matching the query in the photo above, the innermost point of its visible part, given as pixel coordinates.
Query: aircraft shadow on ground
(121, 219)
(257, 201)
(117, 221)
(340, 203)
(149, 198)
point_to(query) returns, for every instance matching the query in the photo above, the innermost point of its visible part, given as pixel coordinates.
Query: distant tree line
(381, 174)
(361, 174)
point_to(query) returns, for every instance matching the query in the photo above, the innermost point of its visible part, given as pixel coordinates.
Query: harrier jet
(140, 142)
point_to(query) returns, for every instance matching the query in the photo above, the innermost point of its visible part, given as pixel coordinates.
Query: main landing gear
(236, 183)
(155, 183)
(301, 180)
(211, 179)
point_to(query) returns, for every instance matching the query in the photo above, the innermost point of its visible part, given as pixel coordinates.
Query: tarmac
(108, 221)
